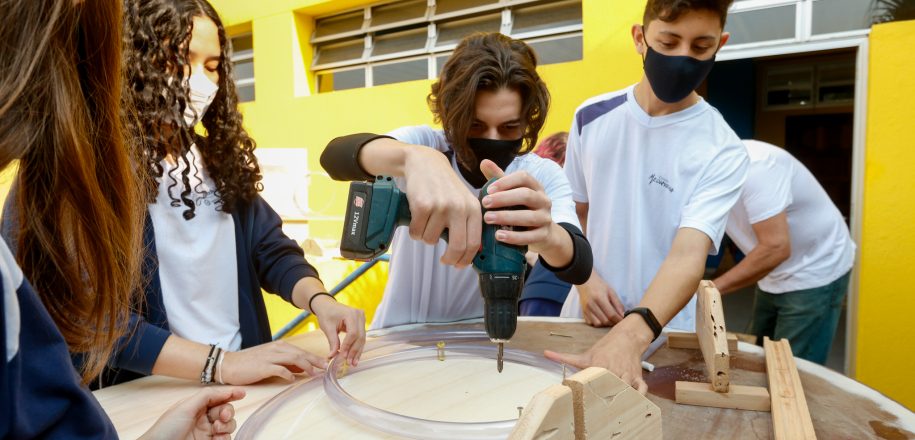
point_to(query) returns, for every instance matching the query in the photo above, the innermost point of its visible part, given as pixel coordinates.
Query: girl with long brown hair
(492, 104)
(79, 209)
(213, 242)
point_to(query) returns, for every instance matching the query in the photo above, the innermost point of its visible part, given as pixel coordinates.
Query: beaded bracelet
(206, 376)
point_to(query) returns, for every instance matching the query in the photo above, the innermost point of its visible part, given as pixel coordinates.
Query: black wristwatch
(649, 318)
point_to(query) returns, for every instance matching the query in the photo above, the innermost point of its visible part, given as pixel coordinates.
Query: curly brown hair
(156, 40)
(487, 62)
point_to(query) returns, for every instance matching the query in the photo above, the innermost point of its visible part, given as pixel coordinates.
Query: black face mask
(500, 152)
(673, 78)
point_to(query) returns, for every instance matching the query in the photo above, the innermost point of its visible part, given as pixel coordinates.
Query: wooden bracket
(548, 416)
(737, 397)
(601, 407)
(790, 415)
(691, 341)
(712, 336)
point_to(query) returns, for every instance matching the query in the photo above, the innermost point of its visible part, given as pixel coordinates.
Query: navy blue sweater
(40, 391)
(267, 259)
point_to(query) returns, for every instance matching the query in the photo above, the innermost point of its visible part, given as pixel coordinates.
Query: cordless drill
(375, 209)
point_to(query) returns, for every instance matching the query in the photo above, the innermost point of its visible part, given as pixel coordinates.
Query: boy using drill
(657, 169)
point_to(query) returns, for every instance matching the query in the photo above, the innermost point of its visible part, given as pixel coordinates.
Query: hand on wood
(618, 351)
(277, 358)
(334, 318)
(205, 415)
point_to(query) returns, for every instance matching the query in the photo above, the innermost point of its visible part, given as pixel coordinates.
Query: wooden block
(790, 415)
(737, 397)
(548, 416)
(605, 407)
(691, 341)
(712, 336)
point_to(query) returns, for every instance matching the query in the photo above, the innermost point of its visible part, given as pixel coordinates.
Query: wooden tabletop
(841, 408)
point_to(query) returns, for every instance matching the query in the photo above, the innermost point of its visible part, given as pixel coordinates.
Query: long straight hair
(79, 202)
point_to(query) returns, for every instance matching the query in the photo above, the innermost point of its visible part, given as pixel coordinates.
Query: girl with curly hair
(213, 242)
(492, 104)
(79, 238)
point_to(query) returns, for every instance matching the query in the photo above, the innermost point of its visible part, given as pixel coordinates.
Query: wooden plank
(691, 341)
(737, 397)
(790, 415)
(713, 336)
(548, 416)
(605, 407)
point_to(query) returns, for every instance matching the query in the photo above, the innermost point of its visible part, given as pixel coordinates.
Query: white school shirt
(644, 178)
(12, 280)
(197, 262)
(821, 248)
(420, 288)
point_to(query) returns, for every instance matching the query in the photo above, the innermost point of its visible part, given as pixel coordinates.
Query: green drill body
(376, 209)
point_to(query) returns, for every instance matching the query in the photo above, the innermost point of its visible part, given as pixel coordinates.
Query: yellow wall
(886, 351)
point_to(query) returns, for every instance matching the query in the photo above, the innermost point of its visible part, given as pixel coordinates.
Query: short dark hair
(487, 61)
(670, 10)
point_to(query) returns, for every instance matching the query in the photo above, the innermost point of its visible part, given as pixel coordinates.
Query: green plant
(893, 10)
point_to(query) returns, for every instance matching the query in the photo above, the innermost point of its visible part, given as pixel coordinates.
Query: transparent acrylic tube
(395, 348)
(411, 427)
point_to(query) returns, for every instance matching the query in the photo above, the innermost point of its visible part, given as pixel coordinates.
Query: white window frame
(429, 51)
(243, 56)
(803, 40)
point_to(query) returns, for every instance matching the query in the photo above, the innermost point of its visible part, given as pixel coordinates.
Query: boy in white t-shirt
(491, 103)
(654, 170)
(798, 251)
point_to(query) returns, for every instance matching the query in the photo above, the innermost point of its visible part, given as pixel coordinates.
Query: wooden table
(841, 408)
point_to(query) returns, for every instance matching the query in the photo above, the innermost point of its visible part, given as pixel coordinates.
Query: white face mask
(202, 93)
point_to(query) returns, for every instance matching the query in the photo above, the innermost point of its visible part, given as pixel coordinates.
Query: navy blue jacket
(267, 259)
(40, 391)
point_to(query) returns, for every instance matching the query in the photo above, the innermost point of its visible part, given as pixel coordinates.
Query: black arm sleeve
(579, 269)
(341, 156)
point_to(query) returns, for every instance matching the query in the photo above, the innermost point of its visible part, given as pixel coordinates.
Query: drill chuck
(501, 292)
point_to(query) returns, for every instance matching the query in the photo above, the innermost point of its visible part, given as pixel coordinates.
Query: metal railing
(361, 270)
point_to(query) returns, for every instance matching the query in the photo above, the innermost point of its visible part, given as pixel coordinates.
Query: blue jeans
(807, 318)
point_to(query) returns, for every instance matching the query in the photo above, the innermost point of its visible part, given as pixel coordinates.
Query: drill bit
(499, 361)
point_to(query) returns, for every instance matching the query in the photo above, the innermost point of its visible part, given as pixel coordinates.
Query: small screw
(441, 350)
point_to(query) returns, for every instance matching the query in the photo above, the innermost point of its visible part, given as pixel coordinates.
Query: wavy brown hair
(487, 62)
(78, 204)
(156, 40)
(671, 10)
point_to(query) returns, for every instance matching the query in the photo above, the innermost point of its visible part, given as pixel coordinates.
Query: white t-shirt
(12, 279)
(420, 288)
(197, 261)
(821, 248)
(644, 178)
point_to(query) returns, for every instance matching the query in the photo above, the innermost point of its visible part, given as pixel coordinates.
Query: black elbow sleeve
(579, 269)
(341, 156)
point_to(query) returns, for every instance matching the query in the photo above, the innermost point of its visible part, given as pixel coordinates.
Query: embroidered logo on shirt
(660, 181)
